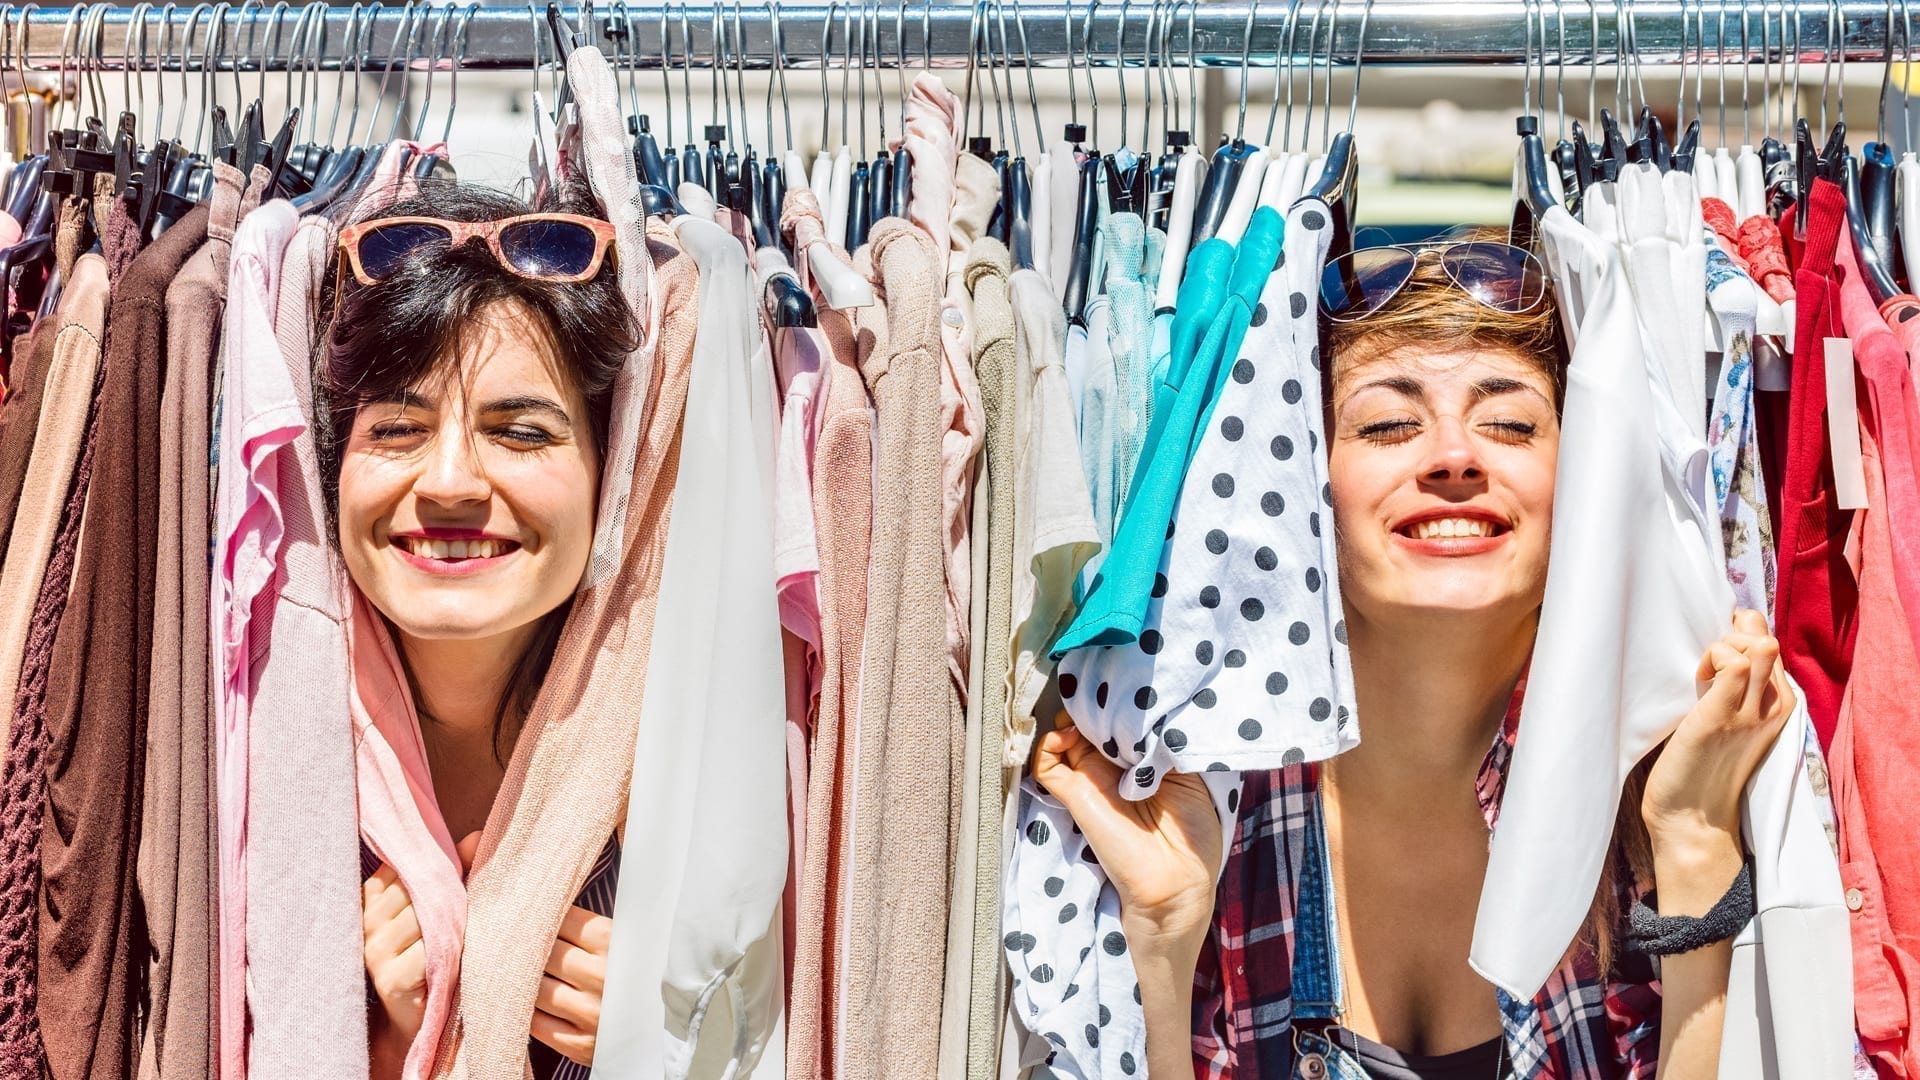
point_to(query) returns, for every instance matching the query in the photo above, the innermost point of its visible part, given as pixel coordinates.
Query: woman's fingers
(591, 932)
(568, 1039)
(381, 898)
(1073, 771)
(396, 935)
(577, 967)
(466, 848)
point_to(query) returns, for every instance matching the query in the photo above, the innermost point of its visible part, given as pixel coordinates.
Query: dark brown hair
(378, 340)
(1432, 314)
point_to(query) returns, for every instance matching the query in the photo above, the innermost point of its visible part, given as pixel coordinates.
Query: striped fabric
(596, 896)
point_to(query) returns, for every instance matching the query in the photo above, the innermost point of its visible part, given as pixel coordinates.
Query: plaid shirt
(1583, 1025)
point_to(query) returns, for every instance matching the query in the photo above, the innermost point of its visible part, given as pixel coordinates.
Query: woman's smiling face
(1442, 468)
(467, 502)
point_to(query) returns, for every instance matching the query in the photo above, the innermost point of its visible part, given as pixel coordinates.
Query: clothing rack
(254, 37)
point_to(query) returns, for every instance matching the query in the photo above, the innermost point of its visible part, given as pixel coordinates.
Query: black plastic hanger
(1688, 147)
(1086, 224)
(1876, 181)
(1877, 274)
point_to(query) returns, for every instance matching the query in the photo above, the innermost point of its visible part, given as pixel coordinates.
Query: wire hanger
(1086, 221)
(1337, 183)
(1231, 157)
(901, 196)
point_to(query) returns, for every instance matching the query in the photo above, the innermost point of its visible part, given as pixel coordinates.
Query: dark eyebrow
(406, 399)
(1498, 385)
(1405, 385)
(527, 403)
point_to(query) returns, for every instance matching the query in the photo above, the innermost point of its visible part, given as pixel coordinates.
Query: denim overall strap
(1318, 997)
(1316, 943)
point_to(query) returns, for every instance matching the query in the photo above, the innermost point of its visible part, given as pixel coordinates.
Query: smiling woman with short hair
(1443, 429)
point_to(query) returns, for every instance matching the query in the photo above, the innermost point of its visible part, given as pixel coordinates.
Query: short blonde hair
(1431, 313)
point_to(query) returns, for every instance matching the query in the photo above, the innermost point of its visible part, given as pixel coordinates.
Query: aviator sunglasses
(546, 247)
(1500, 276)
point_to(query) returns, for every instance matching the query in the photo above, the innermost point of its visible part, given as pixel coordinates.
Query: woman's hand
(396, 960)
(1161, 853)
(1694, 789)
(1692, 812)
(566, 1012)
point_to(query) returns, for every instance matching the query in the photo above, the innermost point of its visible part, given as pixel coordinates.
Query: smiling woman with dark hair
(1349, 900)
(468, 375)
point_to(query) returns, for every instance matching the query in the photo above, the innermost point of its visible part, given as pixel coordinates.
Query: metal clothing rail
(253, 36)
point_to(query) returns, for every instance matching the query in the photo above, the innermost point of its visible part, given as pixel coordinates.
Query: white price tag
(1843, 426)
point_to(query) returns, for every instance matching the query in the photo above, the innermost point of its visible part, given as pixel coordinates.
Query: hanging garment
(399, 817)
(1183, 695)
(1114, 610)
(1584, 1024)
(906, 790)
(95, 704)
(1118, 249)
(82, 325)
(1062, 196)
(48, 454)
(963, 949)
(1228, 672)
(1873, 747)
(996, 362)
(1664, 252)
(843, 505)
(800, 356)
(1765, 252)
(971, 189)
(1054, 530)
(695, 963)
(1130, 247)
(975, 188)
(1816, 600)
(1733, 445)
(1871, 771)
(259, 420)
(1040, 218)
(306, 997)
(20, 423)
(1883, 361)
(178, 841)
(1643, 523)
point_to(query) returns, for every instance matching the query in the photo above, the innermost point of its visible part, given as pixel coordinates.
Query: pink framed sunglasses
(546, 247)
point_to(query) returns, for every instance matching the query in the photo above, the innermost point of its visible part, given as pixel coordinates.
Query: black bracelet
(1652, 934)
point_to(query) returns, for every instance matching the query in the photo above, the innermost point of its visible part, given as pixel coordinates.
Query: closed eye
(1383, 431)
(527, 436)
(394, 430)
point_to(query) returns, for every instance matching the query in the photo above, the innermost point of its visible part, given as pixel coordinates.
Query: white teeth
(451, 549)
(1446, 528)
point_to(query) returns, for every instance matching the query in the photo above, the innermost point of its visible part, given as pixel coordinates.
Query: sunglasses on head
(545, 247)
(1500, 276)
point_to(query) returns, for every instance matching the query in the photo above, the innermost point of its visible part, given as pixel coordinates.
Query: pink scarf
(400, 817)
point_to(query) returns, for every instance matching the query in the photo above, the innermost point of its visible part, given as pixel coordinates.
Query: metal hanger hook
(1086, 45)
(1246, 56)
(1026, 59)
